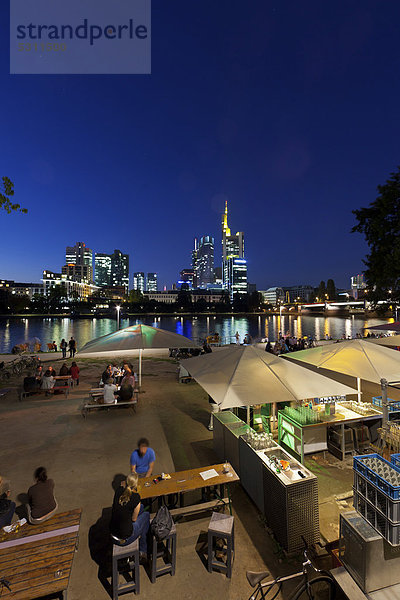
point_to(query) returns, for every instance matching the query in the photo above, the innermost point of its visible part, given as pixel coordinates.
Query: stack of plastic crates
(377, 401)
(377, 494)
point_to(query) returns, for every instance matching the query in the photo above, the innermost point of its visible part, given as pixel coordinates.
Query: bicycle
(321, 587)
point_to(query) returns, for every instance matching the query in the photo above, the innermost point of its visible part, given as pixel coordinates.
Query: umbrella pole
(385, 408)
(248, 415)
(140, 368)
(359, 389)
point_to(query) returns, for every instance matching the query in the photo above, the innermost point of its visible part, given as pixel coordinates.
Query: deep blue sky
(288, 109)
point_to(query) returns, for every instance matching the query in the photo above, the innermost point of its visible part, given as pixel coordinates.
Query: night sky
(288, 109)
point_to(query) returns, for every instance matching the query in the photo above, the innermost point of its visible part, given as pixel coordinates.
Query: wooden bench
(60, 388)
(37, 560)
(88, 406)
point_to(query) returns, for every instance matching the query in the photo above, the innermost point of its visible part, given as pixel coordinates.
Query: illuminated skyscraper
(151, 282)
(205, 261)
(79, 263)
(112, 269)
(234, 266)
(195, 265)
(102, 269)
(139, 281)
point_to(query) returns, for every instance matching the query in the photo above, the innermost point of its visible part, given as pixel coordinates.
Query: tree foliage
(6, 195)
(380, 224)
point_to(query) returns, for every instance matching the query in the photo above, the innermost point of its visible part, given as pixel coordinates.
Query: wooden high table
(188, 481)
(37, 560)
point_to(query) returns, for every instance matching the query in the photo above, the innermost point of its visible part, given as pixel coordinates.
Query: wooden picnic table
(188, 481)
(37, 560)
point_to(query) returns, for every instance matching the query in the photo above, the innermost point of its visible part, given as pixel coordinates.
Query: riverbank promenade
(85, 456)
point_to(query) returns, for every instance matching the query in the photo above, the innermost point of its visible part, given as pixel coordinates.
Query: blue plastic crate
(377, 401)
(395, 459)
(389, 530)
(375, 476)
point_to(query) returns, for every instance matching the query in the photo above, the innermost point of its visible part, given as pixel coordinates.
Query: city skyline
(281, 120)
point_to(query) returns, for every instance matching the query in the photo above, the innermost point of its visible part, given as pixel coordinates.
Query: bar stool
(165, 549)
(131, 556)
(221, 526)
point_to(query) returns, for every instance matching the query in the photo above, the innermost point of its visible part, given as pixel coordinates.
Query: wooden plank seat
(37, 560)
(59, 388)
(89, 404)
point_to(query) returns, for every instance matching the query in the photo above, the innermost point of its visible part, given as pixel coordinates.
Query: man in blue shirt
(142, 459)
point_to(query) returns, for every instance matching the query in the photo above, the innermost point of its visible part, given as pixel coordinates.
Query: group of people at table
(118, 384)
(129, 520)
(46, 380)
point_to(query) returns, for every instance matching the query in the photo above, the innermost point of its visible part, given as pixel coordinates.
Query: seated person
(107, 374)
(128, 519)
(125, 393)
(64, 370)
(31, 384)
(7, 507)
(129, 377)
(42, 504)
(109, 391)
(143, 458)
(48, 382)
(39, 373)
(52, 372)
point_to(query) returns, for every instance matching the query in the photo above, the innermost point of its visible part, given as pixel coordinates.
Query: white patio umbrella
(391, 341)
(133, 338)
(357, 358)
(245, 375)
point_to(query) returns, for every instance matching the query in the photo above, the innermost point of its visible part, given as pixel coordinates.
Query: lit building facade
(21, 289)
(120, 269)
(205, 261)
(139, 282)
(236, 276)
(187, 276)
(80, 290)
(274, 296)
(102, 269)
(234, 265)
(152, 282)
(195, 250)
(112, 269)
(358, 282)
(78, 263)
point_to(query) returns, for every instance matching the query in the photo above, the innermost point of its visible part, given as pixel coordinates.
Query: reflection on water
(17, 331)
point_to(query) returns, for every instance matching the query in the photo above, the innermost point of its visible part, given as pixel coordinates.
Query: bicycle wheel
(320, 588)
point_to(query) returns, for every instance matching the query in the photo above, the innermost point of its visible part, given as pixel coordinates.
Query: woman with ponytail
(128, 519)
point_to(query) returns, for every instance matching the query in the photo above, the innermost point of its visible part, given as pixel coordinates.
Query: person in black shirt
(31, 384)
(107, 374)
(128, 519)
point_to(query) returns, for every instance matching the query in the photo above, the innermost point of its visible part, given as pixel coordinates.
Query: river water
(17, 331)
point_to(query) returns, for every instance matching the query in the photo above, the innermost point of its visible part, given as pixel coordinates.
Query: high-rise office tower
(79, 263)
(120, 269)
(112, 269)
(151, 282)
(102, 269)
(205, 261)
(195, 282)
(79, 254)
(234, 266)
(139, 281)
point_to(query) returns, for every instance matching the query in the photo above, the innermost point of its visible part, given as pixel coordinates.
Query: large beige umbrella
(357, 358)
(133, 338)
(390, 341)
(245, 375)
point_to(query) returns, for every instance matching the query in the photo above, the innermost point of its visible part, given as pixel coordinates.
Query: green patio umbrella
(136, 337)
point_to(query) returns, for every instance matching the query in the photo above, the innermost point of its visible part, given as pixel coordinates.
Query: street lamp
(118, 309)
